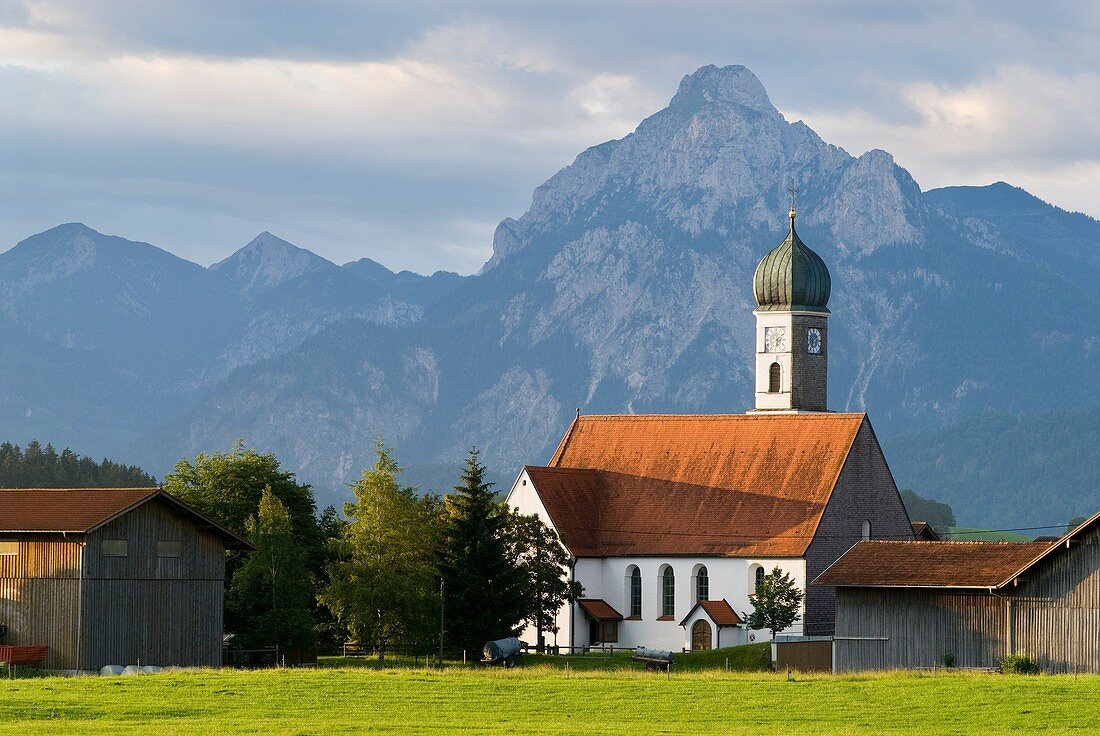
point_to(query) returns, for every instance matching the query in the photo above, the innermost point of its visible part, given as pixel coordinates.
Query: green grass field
(546, 700)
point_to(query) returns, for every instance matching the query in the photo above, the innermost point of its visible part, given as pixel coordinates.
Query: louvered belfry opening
(775, 375)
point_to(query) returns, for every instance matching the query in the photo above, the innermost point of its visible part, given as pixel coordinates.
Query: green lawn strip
(545, 700)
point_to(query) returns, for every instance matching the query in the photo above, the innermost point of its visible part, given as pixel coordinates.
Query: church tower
(791, 285)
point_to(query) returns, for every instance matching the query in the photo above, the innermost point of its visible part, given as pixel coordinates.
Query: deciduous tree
(775, 602)
(384, 586)
(544, 562)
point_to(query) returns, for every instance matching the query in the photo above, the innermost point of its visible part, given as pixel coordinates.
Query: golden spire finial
(792, 190)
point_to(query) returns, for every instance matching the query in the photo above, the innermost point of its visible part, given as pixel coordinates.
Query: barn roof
(891, 564)
(83, 510)
(733, 484)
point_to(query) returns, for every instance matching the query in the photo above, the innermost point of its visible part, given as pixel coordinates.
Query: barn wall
(901, 628)
(156, 610)
(864, 490)
(39, 597)
(1056, 609)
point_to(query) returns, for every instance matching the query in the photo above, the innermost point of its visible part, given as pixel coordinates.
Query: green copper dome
(791, 278)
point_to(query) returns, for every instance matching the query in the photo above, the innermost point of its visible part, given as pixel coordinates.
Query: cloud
(404, 131)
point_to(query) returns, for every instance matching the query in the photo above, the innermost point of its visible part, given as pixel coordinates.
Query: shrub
(948, 660)
(1019, 664)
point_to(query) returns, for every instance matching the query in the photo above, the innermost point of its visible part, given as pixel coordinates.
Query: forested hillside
(44, 467)
(1002, 471)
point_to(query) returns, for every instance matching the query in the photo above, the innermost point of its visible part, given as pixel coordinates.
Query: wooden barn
(112, 576)
(969, 604)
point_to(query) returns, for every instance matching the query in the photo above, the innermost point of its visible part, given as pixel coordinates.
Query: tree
(484, 588)
(775, 602)
(544, 562)
(38, 468)
(939, 515)
(384, 586)
(1075, 522)
(271, 594)
(228, 488)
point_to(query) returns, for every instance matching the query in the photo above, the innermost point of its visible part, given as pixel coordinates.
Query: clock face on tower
(813, 341)
(775, 339)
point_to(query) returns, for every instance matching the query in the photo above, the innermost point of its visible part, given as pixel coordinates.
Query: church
(672, 520)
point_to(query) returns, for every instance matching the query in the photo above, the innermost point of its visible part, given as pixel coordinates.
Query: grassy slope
(545, 701)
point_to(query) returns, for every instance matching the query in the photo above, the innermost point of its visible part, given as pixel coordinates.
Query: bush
(1019, 664)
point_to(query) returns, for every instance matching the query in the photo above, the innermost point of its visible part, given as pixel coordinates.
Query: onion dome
(791, 278)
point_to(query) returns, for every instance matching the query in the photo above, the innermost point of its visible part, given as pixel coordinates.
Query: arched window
(702, 584)
(668, 591)
(634, 591)
(757, 577)
(866, 530)
(775, 375)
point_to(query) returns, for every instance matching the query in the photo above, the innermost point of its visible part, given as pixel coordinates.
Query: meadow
(542, 699)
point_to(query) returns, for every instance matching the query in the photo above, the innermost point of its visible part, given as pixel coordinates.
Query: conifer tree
(483, 586)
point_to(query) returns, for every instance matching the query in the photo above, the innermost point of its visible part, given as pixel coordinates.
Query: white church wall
(732, 578)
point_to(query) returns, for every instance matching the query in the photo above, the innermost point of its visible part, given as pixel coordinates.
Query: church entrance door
(700, 636)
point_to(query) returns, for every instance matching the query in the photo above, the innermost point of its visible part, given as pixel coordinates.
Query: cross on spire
(792, 190)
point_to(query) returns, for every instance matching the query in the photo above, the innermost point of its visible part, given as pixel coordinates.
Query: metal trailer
(654, 659)
(501, 651)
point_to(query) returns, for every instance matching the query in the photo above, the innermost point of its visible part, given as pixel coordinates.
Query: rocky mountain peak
(734, 84)
(267, 261)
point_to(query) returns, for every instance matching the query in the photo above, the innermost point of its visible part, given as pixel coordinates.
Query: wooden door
(700, 635)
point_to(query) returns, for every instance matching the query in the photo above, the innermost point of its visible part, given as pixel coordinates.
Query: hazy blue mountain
(626, 287)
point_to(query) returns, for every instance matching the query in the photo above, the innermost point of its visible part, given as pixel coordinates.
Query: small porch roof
(598, 609)
(720, 612)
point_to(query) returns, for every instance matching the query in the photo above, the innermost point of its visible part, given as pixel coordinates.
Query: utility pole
(441, 623)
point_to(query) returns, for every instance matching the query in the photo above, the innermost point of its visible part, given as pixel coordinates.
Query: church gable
(733, 485)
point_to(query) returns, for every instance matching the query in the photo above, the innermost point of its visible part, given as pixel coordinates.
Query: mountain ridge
(625, 287)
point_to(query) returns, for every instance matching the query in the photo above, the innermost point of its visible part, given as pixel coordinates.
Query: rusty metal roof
(930, 564)
(720, 612)
(728, 484)
(599, 609)
(82, 510)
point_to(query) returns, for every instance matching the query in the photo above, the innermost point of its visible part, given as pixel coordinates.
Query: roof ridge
(84, 488)
(744, 415)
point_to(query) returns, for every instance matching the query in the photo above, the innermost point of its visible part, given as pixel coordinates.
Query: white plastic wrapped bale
(131, 669)
(111, 670)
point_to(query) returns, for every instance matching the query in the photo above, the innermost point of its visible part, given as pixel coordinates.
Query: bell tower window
(775, 378)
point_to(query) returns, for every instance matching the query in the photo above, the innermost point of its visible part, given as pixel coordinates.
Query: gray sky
(405, 130)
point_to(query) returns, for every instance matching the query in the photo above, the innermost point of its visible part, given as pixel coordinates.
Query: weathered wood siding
(162, 611)
(40, 597)
(1056, 609)
(1052, 615)
(909, 627)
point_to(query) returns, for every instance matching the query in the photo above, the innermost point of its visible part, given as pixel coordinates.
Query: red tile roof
(599, 609)
(82, 510)
(75, 510)
(720, 612)
(924, 532)
(734, 484)
(930, 564)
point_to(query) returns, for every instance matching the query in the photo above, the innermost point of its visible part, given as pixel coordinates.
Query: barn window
(668, 592)
(634, 591)
(702, 584)
(757, 577)
(775, 375)
(8, 549)
(866, 530)
(114, 548)
(168, 548)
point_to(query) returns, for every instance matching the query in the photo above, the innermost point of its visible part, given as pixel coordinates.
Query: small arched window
(758, 578)
(866, 530)
(775, 376)
(702, 584)
(634, 591)
(668, 592)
